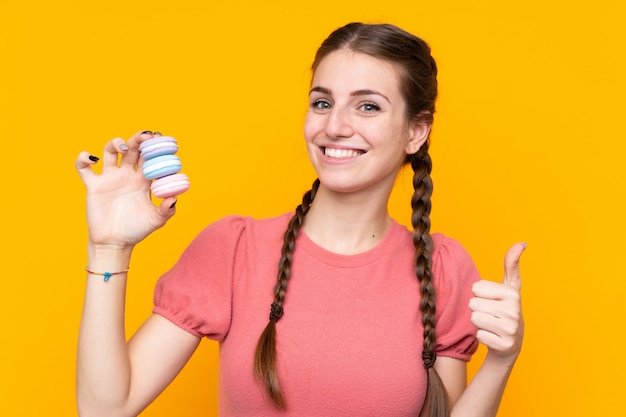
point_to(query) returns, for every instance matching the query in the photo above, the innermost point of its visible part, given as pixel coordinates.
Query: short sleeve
(454, 274)
(196, 294)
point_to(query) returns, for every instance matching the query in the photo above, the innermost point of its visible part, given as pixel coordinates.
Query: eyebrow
(365, 92)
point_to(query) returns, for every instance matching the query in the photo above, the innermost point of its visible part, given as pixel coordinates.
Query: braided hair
(418, 83)
(265, 355)
(436, 403)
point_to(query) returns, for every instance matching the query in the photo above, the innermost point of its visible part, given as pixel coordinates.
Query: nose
(339, 123)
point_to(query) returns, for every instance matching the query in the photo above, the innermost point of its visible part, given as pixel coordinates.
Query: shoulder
(447, 249)
(453, 267)
(447, 252)
(234, 226)
(454, 273)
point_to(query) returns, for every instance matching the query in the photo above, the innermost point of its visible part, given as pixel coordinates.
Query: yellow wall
(528, 145)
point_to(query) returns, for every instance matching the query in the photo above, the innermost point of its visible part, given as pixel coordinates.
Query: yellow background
(528, 145)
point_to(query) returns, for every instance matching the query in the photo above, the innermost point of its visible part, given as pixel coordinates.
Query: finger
(501, 335)
(83, 165)
(496, 342)
(500, 326)
(508, 308)
(485, 321)
(493, 290)
(511, 266)
(167, 208)
(130, 157)
(139, 137)
(112, 150)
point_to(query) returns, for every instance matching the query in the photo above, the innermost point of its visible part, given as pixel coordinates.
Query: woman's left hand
(497, 310)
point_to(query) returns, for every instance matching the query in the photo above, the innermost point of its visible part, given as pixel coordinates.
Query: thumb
(167, 208)
(511, 266)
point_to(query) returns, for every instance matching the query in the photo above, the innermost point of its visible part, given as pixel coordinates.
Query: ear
(419, 130)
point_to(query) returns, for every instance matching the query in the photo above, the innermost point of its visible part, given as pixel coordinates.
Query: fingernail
(157, 133)
(525, 244)
(93, 158)
(173, 204)
(147, 132)
(124, 147)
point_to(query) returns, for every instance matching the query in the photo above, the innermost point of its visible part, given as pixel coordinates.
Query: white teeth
(341, 153)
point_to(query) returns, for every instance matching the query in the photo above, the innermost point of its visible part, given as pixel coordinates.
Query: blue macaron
(161, 166)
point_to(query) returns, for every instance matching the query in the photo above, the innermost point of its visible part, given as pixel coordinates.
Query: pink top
(350, 341)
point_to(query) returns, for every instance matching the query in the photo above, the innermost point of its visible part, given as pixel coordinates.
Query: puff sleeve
(196, 294)
(454, 274)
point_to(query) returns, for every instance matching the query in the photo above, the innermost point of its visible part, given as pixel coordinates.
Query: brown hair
(417, 73)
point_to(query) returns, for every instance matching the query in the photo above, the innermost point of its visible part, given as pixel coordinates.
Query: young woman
(365, 317)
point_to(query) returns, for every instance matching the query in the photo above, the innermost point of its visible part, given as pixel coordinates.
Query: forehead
(348, 70)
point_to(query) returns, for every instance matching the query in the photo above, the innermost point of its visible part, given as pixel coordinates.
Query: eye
(369, 107)
(320, 104)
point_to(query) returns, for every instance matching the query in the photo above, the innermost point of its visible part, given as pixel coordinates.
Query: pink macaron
(170, 185)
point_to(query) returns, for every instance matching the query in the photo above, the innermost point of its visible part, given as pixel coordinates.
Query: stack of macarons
(163, 166)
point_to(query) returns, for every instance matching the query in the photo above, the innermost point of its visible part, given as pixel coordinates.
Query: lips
(336, 153)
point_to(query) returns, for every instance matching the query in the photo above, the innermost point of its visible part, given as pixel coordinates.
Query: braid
(436, 402)
(265, 356)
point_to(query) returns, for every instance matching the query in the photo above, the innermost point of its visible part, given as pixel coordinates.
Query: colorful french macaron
(170, 185)
(157, 146)
(162, 166)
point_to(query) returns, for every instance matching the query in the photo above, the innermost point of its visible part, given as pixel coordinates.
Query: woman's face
(356, 130)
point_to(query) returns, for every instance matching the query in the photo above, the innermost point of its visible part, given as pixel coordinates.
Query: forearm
(482, 396)
(103, 370)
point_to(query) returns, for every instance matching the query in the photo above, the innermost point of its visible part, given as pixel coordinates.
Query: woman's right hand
(120, 212)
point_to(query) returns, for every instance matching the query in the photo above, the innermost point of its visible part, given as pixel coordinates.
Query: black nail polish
(93, 158)
(174, 204)
(147, 132)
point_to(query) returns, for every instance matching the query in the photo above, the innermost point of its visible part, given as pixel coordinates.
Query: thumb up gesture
(497, 310)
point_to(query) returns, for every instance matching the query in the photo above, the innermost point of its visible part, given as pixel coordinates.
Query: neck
(347, 223)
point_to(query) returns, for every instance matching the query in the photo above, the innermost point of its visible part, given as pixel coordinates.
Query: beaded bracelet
(106, 275)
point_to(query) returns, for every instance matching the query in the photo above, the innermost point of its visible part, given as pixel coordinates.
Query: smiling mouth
(342, 153)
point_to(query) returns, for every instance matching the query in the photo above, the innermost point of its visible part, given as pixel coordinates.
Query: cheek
(311, 128)
(310, 132)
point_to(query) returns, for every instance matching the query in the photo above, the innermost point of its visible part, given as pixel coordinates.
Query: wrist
(503, 362)
(108, 257)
